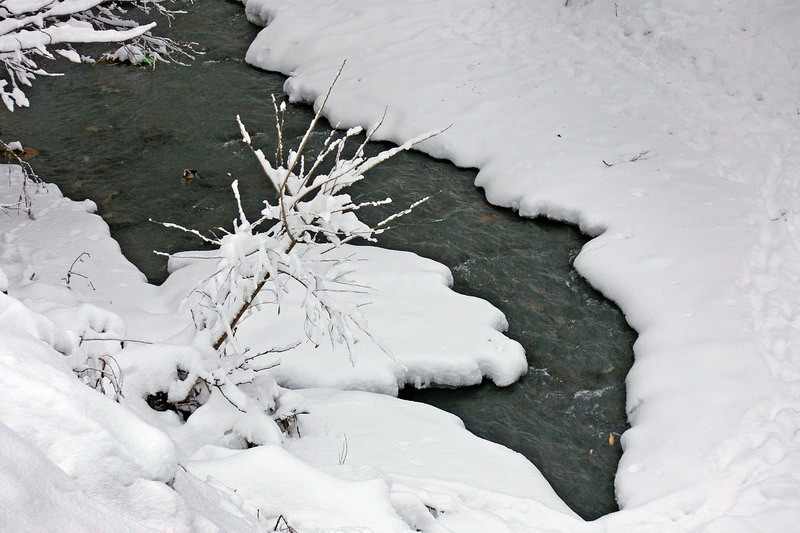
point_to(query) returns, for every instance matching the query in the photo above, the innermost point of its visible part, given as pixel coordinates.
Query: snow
(380, 453)
(38, 496)
(29, 29)
(346, 430)
(272, 481)
(72, 31)
(666, 130)
(453, 340)
(71, 299)
(85, 445)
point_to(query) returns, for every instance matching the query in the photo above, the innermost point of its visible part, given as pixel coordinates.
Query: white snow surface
(669, 130)
(75, 460)
(452, 340)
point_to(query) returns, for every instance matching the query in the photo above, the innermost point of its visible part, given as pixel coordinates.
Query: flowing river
(122, 136)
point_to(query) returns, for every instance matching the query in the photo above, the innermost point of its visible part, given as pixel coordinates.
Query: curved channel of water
(123, 135)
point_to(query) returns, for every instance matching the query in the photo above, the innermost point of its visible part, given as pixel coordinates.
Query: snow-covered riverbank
(667, 129)
(76, 460)
(670, 131)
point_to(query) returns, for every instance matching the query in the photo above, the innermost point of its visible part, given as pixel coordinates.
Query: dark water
(122, 136)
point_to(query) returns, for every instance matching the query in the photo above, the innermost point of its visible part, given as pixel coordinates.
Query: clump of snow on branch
(287, 244)
(35, 29)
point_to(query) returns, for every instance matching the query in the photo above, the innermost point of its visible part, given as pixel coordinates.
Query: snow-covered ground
(670, 130)
(75, 460)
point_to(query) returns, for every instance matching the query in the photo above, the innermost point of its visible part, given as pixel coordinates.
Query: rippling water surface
(122, 136)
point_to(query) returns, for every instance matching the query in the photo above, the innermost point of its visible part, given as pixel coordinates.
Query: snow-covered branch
(34, 29)
(287, 244)
(311, 211)
(14, 154)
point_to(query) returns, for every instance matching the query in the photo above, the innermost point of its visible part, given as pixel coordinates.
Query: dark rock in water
(116, 223)
(104, 200)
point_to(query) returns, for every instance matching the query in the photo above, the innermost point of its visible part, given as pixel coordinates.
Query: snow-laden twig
(14, 155)
(311, 208)
(31, 31)
(287, 245)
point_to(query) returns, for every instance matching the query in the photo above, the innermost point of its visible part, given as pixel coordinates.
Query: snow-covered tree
(34, 29)
(287, 244)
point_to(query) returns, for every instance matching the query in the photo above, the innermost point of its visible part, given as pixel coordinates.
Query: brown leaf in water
(104, 201)
(28, 153)
(489, 218)
(610, 439)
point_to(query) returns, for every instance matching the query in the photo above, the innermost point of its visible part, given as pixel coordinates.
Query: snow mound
(419, 331)
(103, 447)
(348, 433)
(273, 483)
(29, 480)
(669, 130)
(101, 465)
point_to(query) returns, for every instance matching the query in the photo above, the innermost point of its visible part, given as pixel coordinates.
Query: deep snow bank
(420, 331)
(669, 129)
(76, 459)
